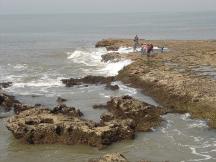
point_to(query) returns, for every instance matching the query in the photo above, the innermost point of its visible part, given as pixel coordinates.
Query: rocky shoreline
(173, 78)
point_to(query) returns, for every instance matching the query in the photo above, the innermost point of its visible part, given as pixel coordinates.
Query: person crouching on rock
(143, 48)
(149, 49)
(136, 43)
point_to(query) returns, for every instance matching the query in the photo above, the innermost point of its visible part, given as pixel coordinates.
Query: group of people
(145, 48)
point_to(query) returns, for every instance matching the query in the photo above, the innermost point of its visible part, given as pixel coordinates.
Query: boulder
(5, 84)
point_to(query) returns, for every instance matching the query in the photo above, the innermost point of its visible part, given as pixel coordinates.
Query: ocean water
(37, 51)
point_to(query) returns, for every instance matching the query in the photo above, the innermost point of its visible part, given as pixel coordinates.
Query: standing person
(162, 49)
(136, 42)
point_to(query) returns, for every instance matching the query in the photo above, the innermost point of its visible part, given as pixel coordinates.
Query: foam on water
(88, 57)
(190, 137)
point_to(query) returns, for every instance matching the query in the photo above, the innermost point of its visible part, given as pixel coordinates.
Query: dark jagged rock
(7, 101)
(99, 106)
(88, 80)
(111, 57)
(109, 86)
(5, 85)
(113, 157)
(59, 99)
(19, 107)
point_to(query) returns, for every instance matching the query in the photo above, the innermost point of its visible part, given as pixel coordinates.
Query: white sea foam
(20, 67)
(90, 57)
(205, 157)
(131, 91)
(112, 69)
(185, 116)
(41, 83)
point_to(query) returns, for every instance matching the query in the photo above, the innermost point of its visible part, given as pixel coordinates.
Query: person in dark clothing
(136, 42)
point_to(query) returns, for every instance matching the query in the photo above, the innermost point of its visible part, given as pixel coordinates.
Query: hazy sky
(70, 6)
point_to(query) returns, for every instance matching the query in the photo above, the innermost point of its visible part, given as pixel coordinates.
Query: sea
(37, 51)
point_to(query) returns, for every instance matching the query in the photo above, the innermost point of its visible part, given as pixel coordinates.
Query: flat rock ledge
(65, 125)
(110, 45)
(88, 80)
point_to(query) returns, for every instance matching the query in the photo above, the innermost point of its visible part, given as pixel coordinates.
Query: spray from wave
(92, 58)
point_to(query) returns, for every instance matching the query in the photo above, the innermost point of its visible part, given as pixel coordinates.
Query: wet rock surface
(88, 80)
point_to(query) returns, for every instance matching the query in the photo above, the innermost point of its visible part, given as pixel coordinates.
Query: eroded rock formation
(144, 116)
(65, 125)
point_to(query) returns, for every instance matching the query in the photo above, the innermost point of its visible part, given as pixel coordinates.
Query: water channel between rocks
(177, 139)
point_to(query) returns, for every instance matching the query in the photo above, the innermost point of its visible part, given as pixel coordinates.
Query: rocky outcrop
(65, 126)
(113, 157)
(88, 80)
(110, 45)
(111, 57)
(5, 84)
(143, 115)
(62, 124)
(7, 102)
